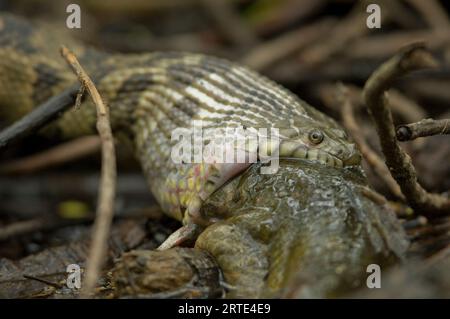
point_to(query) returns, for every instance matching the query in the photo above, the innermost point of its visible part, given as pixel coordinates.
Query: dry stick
(282, 14)
(39, 117)
(345, 99)
(414, 57)
(230, 23)
(63, 153)
(107, 187)
(44, 281)
(433, 12)
(401, 105)
(270, 52)
(351, 27)
(433, 89)
(138, 7)
(382, 45)
(406, 107)
(404, 16)
(426, 127)
(22, 227)
(25, 227)
(371, 157)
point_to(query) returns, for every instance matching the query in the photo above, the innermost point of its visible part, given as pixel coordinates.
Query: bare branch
(426, 127)
(230, 23)
(342, 33)
(414, 57)
(107, 187)
(270, 52)
(433, 12)
(39, 117)
(21, 227)
(369, 155)
(63, 153)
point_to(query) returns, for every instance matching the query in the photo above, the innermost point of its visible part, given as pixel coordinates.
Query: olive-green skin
(307, 231)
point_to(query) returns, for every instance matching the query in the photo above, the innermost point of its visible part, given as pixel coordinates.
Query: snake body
(151, 95)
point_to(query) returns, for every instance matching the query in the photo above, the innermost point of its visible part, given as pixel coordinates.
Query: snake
(310, 216)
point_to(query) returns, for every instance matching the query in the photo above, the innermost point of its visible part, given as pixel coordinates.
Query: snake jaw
(353, 160)
(315, 155)
(324, 157)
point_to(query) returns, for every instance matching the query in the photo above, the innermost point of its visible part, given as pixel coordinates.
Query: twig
(60, 154)
(230, 23)
(271, 17)
(383, 45)
(107, 187)
(426, 127)
(411, 226)
(351, 27)
(401, 105)
(404, 16)
(39, 117)
(439, 256)
(371, 157)
(433, 12)
(405, 107)
(275, 50)
(44, 281)
(22, 227)
(137, 7)
(428, 230)
(433, 90)
(414, 57)
(25, 227)
(346, 99)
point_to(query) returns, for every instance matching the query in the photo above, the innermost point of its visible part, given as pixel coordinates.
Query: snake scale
(310, 222)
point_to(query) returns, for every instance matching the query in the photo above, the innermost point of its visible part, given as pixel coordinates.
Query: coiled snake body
(151, 95)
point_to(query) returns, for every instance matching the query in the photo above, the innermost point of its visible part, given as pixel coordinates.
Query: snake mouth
(353, 160)
(326, 158)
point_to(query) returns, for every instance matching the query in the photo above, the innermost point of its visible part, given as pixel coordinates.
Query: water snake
(310, 220)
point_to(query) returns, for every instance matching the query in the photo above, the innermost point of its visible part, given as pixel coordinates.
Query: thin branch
(404, 16)
(25, 227)
(426, 127)
(107, 187)
(344, 32)
(230, 23)
(44, 281)
(433, 12)
(21, 227)
(39, 117)
(370, 156)
(401, 105)
(181, 235)
(414, 57)
(63, 153)
(405, 107)
(270, 52)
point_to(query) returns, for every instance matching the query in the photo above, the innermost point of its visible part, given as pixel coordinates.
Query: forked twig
(414, 57)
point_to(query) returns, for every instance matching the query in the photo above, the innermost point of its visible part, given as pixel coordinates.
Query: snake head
(334, 142)
(330, 146)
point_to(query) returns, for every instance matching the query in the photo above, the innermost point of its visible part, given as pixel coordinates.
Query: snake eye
(316, 136)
